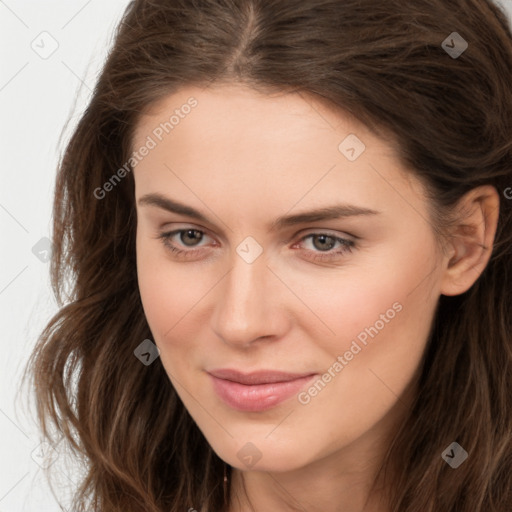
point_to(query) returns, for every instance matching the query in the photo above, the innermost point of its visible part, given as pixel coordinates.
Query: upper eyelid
(327, 232)
(343, 234)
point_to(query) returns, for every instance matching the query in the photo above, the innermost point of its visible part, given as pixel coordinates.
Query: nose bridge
(241, 309)
(245, 285)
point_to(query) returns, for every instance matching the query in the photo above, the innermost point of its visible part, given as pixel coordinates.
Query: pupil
(191, 234)
(326, 242)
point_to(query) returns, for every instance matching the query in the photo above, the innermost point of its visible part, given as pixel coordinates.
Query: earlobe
(471, 240)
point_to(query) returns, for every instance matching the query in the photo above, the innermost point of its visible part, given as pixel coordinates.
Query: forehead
(234, 120)
(239, 112)
(231, 139)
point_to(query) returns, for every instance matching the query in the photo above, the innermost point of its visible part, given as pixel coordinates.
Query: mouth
(256, 391)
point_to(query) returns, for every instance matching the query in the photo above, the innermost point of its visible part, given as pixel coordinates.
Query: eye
(190, 237)
(326, 246)
(186, 244)
(179, 238)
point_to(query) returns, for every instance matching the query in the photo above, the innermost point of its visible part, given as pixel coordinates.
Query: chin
(266, 455)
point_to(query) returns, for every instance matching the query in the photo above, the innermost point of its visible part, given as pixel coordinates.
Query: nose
(249, 304)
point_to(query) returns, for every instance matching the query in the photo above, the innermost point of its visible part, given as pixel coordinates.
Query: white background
(38, 96)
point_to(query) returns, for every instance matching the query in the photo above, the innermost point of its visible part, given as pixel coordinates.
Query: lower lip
(257, 397)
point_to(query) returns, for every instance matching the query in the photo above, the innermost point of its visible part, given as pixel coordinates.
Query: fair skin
(242, 160)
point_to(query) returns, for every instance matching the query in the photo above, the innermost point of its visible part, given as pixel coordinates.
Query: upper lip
(256, 377)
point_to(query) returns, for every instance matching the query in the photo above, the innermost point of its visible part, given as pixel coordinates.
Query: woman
(288, 236)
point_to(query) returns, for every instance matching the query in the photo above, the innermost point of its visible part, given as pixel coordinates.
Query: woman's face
(299, 245)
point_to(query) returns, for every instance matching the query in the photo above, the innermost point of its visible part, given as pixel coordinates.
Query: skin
(243, 159)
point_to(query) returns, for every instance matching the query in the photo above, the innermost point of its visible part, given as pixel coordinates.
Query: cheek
(378, 314)
(164, 292)
(167, 297)
(173, 295)
(381, 337)
(370, 361)
(166, 302)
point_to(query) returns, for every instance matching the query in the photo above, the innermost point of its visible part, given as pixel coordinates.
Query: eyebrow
(327, 213)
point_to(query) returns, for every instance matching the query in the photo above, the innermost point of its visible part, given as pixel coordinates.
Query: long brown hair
(450, 118)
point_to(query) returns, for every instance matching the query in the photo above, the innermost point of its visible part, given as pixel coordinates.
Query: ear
(471, 239)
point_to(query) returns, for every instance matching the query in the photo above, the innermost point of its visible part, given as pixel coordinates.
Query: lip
(256, 391)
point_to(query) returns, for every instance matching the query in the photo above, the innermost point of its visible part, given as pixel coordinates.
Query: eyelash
(347, 246)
